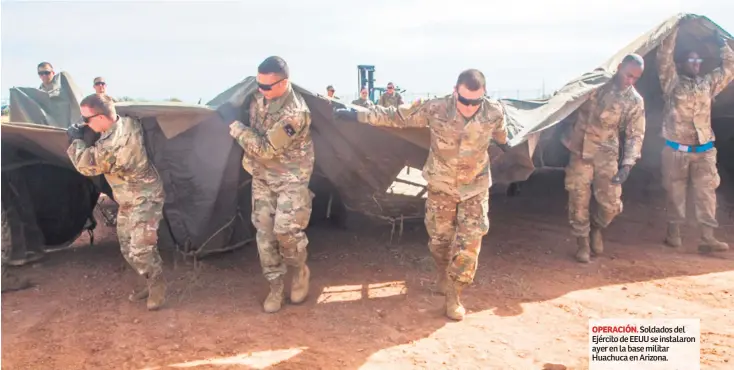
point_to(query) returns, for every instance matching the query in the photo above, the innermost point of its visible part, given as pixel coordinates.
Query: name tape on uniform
(644, 344)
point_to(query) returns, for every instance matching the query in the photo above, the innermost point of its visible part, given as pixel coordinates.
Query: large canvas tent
(208, 202)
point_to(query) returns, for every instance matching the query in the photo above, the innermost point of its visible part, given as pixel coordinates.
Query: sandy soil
(370, 306)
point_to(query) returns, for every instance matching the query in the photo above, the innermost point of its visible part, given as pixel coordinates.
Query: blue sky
(193, 50)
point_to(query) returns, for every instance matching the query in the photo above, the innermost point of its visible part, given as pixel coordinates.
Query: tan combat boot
(299, 284)
(156, 292)
(139, 293)
(672, 238)
(11, 282)
(583, 254)
(597, 244)
(274, 300)
(709, 242)
(454, 309)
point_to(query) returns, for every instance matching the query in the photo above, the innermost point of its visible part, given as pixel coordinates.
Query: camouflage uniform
(279, 154)
(593, 141)
(458, 174)
(390, 100)
(687, 125)
(363, 102)
(54, 88)
(120, 156)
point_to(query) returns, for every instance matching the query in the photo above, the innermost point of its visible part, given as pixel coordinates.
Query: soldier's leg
(705, 179)
(263, 215)
(440, 221)
(579, 175)
(675, 171)
(292, 214)
(608, 197)
(472, 223)
(143, 252)
(9, 280)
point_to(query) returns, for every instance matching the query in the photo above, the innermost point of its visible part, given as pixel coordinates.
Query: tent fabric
(57, 108)
(207, 206)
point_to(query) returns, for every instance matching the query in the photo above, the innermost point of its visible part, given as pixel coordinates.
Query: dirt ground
(370, 305)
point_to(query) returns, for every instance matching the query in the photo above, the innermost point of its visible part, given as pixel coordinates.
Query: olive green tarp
(207, 193)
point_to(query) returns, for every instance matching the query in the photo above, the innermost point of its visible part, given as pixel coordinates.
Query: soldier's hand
(75, 132)
(345, 114)
(236, 128)
(621, 175)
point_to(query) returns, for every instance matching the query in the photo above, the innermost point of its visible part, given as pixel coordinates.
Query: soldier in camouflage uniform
(279, 154)
(391, 98)
(689, 156)
(364, 100)
(119, 154)
(457, 171)
(593, 141)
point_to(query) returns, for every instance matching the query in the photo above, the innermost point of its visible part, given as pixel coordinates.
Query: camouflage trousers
(137, 231)
(280, 216)
(455, 229)
(584, 177)
(698, 171)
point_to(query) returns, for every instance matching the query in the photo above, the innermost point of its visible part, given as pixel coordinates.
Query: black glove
(719, 39)
(345, 114)
(621, 175)
(505, 147)
(75, 132)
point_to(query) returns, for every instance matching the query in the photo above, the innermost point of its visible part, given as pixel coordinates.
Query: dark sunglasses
(266, 87)
(695, 60)
(100, 83)
(468, 102)
(87, 119)
(44, 73)
(391, 87)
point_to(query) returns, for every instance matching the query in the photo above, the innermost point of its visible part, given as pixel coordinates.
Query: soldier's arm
(398, 117)
(276, 140)
(90, 160)
(381, 101)
(400, 98)
(499, 135)
(634, 134)
(666, 63)
(723, 75)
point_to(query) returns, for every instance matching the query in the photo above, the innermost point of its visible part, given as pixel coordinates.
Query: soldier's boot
(709, 243)
(454, 309)
(583, 253)
(11, 282)
(139, 293)
(274, 300)
(156, 292)
(672, 238)
(597, 244)
(299, 284)
(443, 283)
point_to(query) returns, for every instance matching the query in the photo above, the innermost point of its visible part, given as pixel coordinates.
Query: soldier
(457, 172)
(279, 154)
(119, 154)
(593, 141)
(391, 98)
(100, 86)
(689, 154)
(330, 91)
(364, 99)
(48, 77)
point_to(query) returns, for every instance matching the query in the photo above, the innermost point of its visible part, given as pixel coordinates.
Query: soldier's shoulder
(493, 107)
(436, 106)
(297, 104)
(635, 96)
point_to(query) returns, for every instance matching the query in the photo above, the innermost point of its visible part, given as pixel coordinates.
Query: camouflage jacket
(390, 100)
(458, 159)
(363, 103)
(687, 110)
(609, 112)
(277, 139)
(120, 156)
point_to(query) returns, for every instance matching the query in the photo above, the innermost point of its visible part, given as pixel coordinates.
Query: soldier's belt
(690, 148)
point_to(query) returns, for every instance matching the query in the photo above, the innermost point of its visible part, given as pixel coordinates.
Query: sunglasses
(100, 83)
(468, 102)
(44, 73)
(695, 60)
(87, 119)
(266, 87)
(391, 87)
